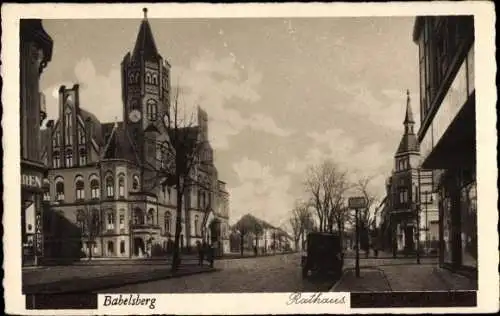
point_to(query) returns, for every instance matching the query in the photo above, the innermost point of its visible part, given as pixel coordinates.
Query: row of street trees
(327, 189)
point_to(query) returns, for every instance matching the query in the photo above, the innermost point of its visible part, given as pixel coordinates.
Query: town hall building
(104, 196)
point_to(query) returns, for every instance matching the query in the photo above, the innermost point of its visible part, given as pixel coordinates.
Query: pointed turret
(145, 42)
(409, 113)
(409, 142)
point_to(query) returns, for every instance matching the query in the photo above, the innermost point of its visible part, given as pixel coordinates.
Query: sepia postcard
(249, 158)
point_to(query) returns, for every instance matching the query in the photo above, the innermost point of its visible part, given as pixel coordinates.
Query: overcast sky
(280, 93)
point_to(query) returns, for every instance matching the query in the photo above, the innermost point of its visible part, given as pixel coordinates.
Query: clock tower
(145, 91)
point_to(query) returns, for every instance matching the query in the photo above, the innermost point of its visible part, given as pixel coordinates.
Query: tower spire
(145, 10)
(145, 43)
(409, 113)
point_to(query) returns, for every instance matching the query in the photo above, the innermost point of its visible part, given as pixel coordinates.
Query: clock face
(134, 116)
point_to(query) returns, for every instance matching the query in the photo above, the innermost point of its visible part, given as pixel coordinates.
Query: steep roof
(118, 144)
(145, 42)
(96, 125)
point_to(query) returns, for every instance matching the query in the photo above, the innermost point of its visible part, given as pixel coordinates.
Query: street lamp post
(417, 210)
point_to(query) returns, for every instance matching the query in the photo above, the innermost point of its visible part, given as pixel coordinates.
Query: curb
(120, 282)
(255, 257)
(336, 284)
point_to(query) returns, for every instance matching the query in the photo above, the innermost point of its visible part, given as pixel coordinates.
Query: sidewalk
(410, 277)
(81, 279)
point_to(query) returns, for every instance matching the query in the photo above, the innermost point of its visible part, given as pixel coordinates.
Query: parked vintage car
(323, 255)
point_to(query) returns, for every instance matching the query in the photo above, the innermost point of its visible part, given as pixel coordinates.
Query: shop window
(122, 247)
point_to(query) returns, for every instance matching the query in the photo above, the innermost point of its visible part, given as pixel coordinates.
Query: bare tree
(364, 215)
(296, 226)
(326, 185)
(301, 221)
(90, 227)
(179, 153)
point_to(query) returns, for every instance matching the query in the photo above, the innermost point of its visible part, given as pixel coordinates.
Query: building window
(109, 187)
(80, 189)
(148, 78)
(138, 217)
(151, 217)
(135, 183)
(121, 186)
(197, 225)
(122, 219)
(122, 247)
(95, 222)
(168, 222)
(94, 189)
(111, 248)
(46, 195)
(59, 189)
(81, 136)
(69, 158)
(154, 79)
(56, 160)
(152, 109)
(110, 220)
(83, 157)
(69, 129)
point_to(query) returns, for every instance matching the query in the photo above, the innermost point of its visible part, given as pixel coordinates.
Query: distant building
(102, 175)
(409, 191)
(259, 235)
(447, 130)
(35, 53)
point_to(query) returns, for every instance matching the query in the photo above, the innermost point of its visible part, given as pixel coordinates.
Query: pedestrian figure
(210, 255)
(200, 253)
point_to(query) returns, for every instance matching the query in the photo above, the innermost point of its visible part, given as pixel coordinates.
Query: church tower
(145, 92)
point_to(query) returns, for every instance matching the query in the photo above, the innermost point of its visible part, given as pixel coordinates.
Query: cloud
(215, 84)
(385, 108)
(99, 94)
(260, 192)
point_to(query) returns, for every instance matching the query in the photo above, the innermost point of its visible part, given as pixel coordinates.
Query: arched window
(168, 222)
(94, 189)
(151, 217)
(197, 225)
(83, 157)
(56, 160)
(79, 188)
(152, 109)
(135, 183)
(131, 77)
(148, 78)
(138, 217)
(110, 190)
(59, 189)
(69, 158)
(121, 186)
(68, 133)
(154, 79)
(111, 248)
(110, 219)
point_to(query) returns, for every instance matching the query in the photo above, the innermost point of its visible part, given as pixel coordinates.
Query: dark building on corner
(447, 130)
(35, 53)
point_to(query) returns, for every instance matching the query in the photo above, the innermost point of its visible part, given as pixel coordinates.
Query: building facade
(35, 53)
(411, 203)
(447, 130)
(105, 195)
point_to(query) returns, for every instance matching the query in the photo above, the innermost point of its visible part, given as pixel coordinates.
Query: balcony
(145, 228)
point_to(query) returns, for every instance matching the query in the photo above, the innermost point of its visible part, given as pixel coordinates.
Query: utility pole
(417, 209)
(357, 243)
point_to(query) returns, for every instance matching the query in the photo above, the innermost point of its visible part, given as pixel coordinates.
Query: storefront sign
(31, 181)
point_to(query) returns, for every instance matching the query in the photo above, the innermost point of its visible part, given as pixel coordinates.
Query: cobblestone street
(280, 273)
